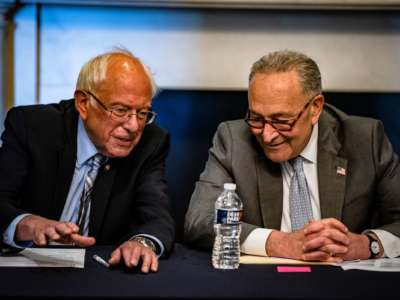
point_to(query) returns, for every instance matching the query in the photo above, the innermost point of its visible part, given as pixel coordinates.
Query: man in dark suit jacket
(46, 154)
(351, 171)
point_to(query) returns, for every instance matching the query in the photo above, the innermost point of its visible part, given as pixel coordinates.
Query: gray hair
(94, 72)
(284, 61)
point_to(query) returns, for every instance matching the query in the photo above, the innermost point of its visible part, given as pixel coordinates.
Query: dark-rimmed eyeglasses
(280, 125)
(123, 114)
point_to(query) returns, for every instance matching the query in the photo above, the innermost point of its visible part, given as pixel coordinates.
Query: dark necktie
(83, 217)
(299, 196)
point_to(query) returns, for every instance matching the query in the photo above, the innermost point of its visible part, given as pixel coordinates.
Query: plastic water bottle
(227, 227)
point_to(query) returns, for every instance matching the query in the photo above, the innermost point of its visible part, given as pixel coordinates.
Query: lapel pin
(341, 171)
(107, 167)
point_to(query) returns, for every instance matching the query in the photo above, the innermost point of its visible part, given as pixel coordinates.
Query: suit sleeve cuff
(255, 242)
(390, 242)
(9, 233)
(159, 245)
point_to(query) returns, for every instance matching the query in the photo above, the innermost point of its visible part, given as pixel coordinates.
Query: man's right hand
(41, 231)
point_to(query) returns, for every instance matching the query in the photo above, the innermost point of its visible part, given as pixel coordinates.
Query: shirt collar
(310, 151)
(86, 149)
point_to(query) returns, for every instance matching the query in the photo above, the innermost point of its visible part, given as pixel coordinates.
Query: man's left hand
(332, 237)
(358, 247)
(328, 236)
(131, 252)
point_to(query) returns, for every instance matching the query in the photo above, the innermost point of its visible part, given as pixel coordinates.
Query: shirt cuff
(159, 244)
(390, 242)
(9, 233)
(255, 242)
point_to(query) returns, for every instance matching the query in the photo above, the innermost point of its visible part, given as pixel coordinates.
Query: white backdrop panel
(214, 49)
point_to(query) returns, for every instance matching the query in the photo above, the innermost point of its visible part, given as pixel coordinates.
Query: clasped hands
(323, 240)
(41, 231)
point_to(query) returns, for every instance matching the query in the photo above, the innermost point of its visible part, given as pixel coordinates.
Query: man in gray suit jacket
(352, 177)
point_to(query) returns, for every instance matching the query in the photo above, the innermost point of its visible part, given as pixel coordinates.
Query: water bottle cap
(229, 186)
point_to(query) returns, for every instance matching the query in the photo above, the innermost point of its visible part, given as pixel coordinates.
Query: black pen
(101, 261)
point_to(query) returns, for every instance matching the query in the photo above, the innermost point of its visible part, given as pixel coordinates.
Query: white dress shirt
(255, 242)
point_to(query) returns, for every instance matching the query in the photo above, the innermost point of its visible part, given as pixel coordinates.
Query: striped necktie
(299, 196)
(84, 210)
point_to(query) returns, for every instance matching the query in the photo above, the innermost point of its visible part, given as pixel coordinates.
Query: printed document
(380, 265)
(45, 257)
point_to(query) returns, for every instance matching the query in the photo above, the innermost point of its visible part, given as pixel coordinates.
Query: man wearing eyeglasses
(316, 184)
(90, 170)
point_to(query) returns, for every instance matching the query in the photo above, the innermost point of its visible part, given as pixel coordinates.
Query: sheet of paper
(45, 257)
(252, 259)
(380, 265)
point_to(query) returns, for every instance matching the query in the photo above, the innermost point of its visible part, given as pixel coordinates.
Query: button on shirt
(255, 242)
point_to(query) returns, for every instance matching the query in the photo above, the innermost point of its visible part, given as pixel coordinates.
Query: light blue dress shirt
(85, 151)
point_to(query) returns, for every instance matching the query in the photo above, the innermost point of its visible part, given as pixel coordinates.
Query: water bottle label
(224, 216)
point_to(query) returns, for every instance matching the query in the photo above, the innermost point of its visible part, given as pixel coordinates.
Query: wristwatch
(374, 246)
(145, 242)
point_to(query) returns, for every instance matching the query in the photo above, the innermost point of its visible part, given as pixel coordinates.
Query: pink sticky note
(285, 269)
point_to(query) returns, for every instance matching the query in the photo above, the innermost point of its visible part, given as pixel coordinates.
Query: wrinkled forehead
(275, 93)
(126, 75)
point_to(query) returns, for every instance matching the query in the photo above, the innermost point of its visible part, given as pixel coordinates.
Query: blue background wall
(192, 117)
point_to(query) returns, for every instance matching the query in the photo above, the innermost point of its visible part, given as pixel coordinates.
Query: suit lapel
(331, 171)
(66, 162)
(270, 191)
